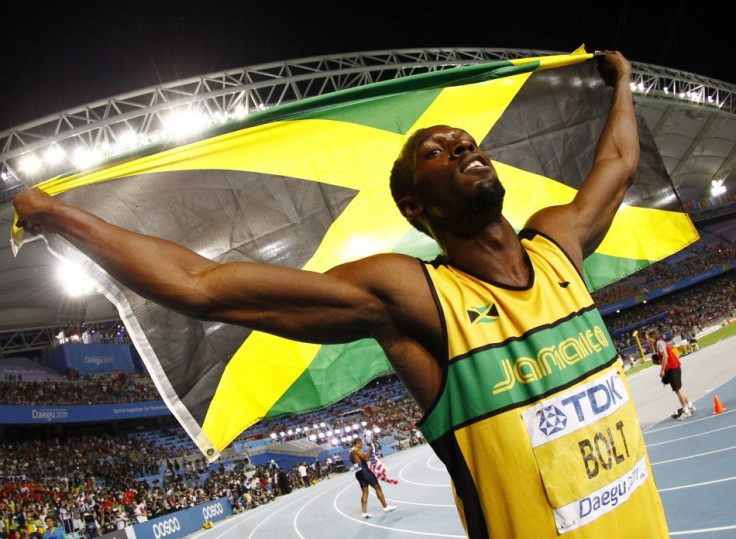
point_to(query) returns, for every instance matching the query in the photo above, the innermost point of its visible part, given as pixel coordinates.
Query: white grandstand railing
(107, 126)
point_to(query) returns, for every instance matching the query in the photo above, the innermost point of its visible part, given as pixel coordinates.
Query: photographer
(670, 372)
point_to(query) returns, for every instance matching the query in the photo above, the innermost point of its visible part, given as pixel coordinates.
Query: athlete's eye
(434, 152)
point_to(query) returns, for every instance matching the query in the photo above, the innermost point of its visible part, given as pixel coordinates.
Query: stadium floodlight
(54, 155)
(30, 164)
(84, 158)
(75, 281)
(180, 124)
(717, 187)
(240, 112)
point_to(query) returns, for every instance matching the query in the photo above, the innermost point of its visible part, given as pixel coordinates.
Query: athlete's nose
(462, 146)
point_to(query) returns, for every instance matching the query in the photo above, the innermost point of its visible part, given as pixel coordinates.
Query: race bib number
(589, 449)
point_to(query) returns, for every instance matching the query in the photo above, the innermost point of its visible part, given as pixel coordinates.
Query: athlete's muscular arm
(581, 225)
(347, 303)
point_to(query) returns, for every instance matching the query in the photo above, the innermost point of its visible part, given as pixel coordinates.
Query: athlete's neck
(494, 254)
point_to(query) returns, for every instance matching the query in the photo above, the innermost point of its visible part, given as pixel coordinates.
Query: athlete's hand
(613, 66)
(34, 209)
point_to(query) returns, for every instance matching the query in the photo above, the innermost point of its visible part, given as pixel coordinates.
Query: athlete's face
(456, 182)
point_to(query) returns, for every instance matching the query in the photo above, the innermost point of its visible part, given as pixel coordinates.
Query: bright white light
(313, 437)
(183, 123)
(30, 164)
(240, 112)
(128, 140)
(76, 282)
(84, 158)
(273, 435)
(717, 187)
(54, 154)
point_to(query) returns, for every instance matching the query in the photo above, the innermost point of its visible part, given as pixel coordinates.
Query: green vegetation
(638, 368)
(718, 335)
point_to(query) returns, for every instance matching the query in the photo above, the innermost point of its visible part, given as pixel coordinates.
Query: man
(498, 341)
(140, 512)
(670, 372)
(366, 478)
(121, 519)
(303, 474)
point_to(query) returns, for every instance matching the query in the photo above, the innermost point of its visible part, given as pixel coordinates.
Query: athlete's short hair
(403, 172)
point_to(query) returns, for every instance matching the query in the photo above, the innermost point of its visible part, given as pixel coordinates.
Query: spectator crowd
(97, 483)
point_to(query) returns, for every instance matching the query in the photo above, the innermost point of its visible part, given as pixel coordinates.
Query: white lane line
(695, 485)
(286, 506)
(695, 456)
(699, 435)
(364, 522)
(412, 461)
(431, 466)
(296, 516)
(678, 424)
(423, 504)
(705, 530)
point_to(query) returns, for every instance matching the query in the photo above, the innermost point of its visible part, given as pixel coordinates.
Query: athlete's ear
(410, 208)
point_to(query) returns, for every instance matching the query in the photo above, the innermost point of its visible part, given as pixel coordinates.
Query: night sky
(66, 54)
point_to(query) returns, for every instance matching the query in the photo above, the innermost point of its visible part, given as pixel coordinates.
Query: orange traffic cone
(717, 405)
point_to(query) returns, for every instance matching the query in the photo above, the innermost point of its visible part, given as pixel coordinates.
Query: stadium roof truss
(111, 127)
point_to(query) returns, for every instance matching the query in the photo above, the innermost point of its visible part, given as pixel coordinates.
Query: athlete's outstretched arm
(581, 225)
(341, 305)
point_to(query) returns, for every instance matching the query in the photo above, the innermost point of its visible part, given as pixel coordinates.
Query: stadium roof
(692, 119)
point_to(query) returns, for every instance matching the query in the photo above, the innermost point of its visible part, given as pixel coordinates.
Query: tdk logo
(552, 420)
(596, 400)
(575, 408)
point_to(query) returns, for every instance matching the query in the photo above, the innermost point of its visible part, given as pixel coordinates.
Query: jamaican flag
(305, 185)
